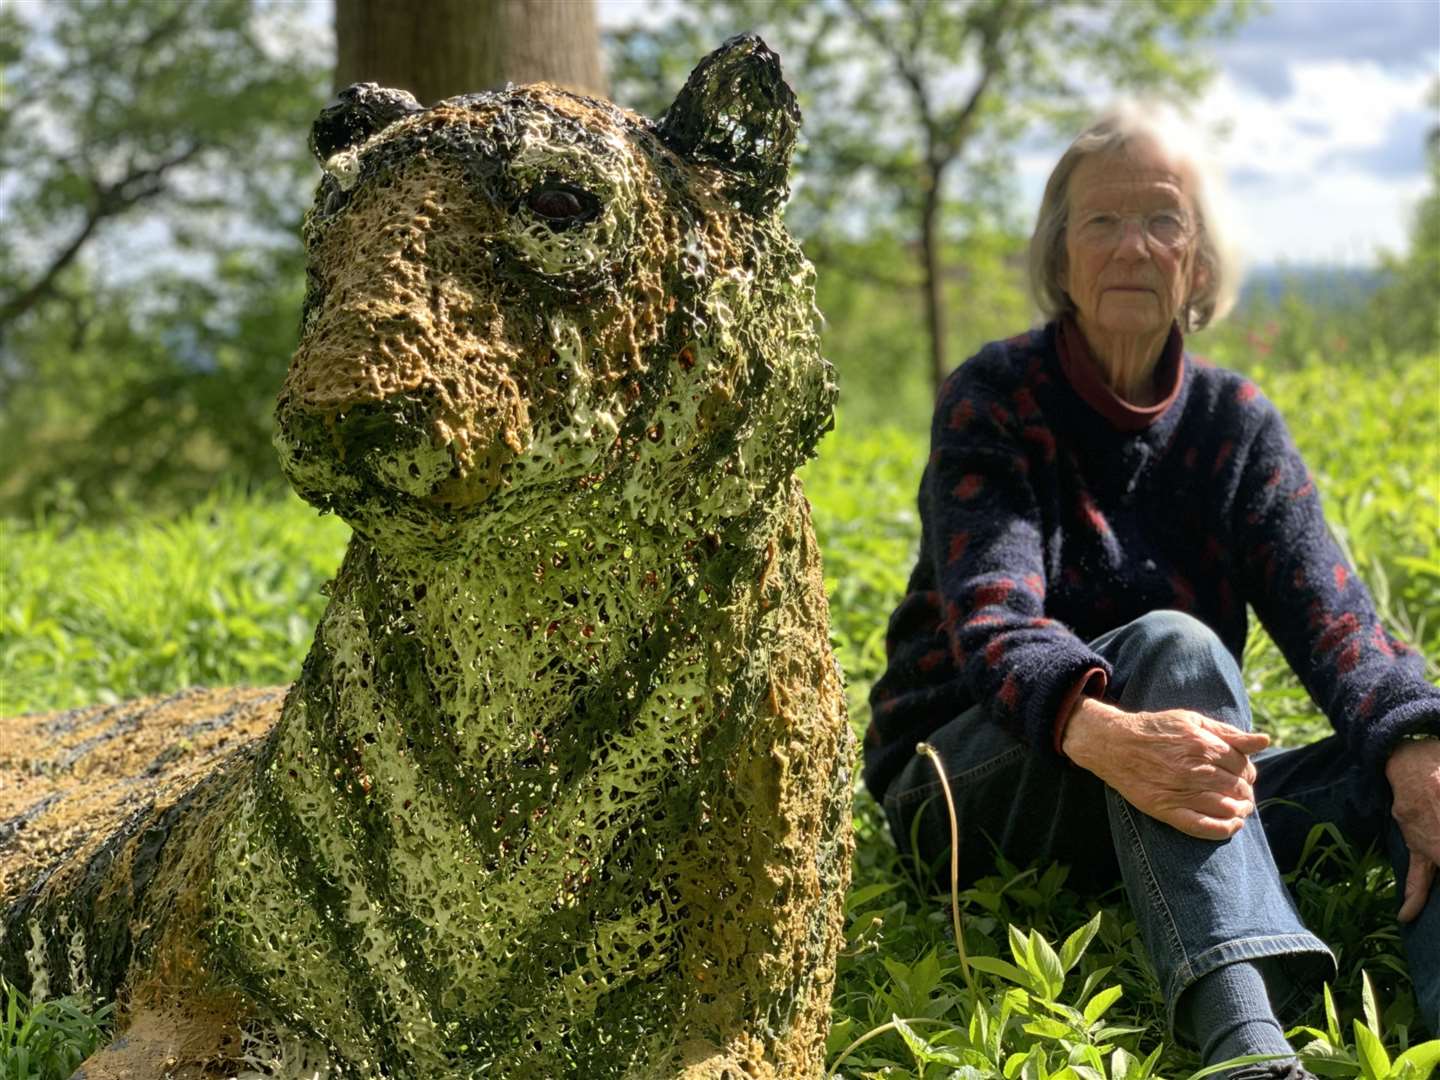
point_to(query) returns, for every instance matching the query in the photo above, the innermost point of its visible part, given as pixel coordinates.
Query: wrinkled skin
(563, 788)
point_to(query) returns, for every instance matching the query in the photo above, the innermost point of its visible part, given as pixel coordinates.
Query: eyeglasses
(1168, 229)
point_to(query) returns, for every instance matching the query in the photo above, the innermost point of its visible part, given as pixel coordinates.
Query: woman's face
(1129, 243)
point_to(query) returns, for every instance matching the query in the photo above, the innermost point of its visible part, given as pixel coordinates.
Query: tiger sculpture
(563, 788)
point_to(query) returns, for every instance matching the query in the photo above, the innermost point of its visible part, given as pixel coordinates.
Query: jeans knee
(1176, 635)
(1179, 651)
(1175, 629)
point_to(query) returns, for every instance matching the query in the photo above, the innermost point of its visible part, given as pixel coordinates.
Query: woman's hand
(1414, 774)
(1180, 767)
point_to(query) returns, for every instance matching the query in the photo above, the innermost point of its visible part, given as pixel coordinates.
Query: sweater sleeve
(989, 569)
(1369, 684)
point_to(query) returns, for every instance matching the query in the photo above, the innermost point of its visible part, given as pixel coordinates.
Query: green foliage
(179, 127)
(861, 71)
(1405, 307)
(875, 322)
(120, 105)
(863, 490)
(228, 592)
(120, 410)
(46, 1040)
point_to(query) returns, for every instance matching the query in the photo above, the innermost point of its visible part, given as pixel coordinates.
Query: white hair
(1216, 255)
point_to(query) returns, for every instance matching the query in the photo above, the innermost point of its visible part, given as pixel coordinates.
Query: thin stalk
(926, 750)
(881, 1031)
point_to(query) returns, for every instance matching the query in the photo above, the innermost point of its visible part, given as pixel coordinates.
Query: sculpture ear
(358, 111)
(737, 112)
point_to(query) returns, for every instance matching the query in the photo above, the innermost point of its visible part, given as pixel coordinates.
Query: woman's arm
(983, 532)
(1369, 684)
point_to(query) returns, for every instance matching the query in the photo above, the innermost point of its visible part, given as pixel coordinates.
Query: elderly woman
(1098, 510)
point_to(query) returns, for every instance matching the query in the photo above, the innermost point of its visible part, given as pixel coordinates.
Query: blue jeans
(1200, 904)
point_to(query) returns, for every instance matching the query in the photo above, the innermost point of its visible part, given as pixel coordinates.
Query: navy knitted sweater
(1051, 512)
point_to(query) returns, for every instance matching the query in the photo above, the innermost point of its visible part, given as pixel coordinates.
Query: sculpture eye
(562, 205)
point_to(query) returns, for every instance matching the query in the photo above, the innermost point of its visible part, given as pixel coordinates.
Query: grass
(230, 592)
(44, 1039)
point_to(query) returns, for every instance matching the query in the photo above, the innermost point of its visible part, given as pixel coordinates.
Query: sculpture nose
(391, 444)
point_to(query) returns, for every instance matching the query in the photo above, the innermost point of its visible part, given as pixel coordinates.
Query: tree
(127, 105)
(1407, 305)
(910, 101)
(150, 267)
(447, 47)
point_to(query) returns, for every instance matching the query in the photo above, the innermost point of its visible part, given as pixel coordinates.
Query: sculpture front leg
(764, 877)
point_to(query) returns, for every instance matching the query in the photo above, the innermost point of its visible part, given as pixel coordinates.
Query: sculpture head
(526, 304)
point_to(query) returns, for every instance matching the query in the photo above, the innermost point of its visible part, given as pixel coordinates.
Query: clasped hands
(1195, 774)
(1178, 766)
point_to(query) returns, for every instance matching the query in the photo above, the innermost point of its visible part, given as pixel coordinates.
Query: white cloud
(1306, 169)
(1345, 218)
(1324, 173)
(1335, 105)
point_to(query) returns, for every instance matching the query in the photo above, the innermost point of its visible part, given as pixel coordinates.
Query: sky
(1325, 102)
(1325, 106)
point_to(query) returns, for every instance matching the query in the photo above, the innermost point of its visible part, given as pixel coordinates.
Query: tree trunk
(934, 276)
(439, 48)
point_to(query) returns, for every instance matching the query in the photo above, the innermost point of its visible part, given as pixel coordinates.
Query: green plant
(47, 1040)
(229, 591)
(1328, 1054)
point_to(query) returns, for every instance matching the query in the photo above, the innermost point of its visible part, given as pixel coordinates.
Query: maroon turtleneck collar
(1083, 371)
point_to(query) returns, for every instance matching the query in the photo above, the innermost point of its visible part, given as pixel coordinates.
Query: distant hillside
(1321, 285)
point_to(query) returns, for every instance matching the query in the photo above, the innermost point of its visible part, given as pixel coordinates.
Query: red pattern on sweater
(958, 543)
(1042, 438)
(970, 485)
(993, 593)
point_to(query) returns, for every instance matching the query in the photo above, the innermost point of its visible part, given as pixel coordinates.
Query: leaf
(1369, 1003)
(1081, 1054)
(1047, 964)
(1110, 1031)
(1068, 1013)
(1341, 1067)
(1092, 980)
(1096, 1006)
(993, 966)
(1332, 1019)
(918, 1046)
(1374, 1062)
(1231, 1063)
(863, 895)
(1049, 1029)
(1423, 1057)
(1020, 948)
(1076, 944)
